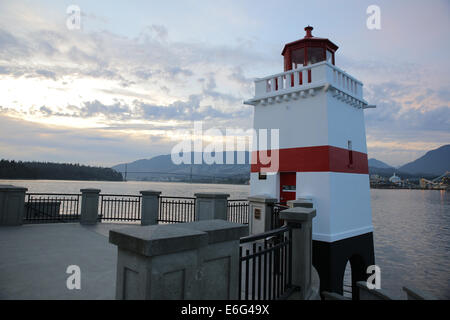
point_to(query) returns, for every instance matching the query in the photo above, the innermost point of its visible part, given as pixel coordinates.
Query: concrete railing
(308, 76)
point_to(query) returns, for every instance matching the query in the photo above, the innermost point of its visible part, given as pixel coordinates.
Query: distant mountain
(434, 162)
(162, 168)
(374, 163)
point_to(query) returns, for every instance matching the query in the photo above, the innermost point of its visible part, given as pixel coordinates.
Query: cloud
(64, 144)
(410, 119)
(151, 68)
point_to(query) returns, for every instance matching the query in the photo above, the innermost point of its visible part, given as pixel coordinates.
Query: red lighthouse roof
(308, 50)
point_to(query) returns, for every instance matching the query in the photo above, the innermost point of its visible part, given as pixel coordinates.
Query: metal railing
(48, 207)
(265, 268)
(237, 211)
(176, 209)
(52, 207)
(118, 207)
(276, 222)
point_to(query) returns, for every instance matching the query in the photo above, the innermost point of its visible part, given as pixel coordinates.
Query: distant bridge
(190, 175)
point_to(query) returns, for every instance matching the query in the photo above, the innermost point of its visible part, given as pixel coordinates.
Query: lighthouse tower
(321, 154)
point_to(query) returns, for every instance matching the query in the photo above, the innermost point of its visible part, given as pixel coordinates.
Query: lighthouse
(317, 112)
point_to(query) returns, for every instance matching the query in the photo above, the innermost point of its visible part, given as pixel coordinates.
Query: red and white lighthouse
(319, 112)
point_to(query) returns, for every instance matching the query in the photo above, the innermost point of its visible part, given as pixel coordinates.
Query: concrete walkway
(34, 260)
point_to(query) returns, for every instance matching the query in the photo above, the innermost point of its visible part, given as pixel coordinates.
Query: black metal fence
(117, 207)
(47, 207)
(52, 207)
(276, 222)
(238, 211)
(265, 269)
(176, 209)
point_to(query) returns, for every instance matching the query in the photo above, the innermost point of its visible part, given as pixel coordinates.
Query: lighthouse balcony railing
(307, 77)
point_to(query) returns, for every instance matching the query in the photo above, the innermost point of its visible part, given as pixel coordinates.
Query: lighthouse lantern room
(318, 110)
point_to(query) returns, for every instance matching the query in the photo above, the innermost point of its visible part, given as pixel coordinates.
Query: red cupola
(308, 50)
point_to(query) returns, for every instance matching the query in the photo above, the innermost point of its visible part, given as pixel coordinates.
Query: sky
(137, 73)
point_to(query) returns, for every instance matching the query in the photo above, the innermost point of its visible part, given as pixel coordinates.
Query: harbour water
(411, 227)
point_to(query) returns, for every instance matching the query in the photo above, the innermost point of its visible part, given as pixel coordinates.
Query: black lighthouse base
(330, 260)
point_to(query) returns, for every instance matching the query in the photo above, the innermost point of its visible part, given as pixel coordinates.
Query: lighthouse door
(288, 182)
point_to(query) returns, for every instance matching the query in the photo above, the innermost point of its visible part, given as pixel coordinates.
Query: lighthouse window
(329, 56)
(350, 152)
(298, 58)
(262, 176)
(315, 55)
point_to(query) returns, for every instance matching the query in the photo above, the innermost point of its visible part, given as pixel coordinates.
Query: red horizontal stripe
(314, 159)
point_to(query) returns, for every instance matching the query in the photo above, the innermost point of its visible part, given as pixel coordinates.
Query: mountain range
(433, 163)
(162, 168)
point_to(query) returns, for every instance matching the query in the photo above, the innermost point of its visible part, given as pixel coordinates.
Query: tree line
(10, 169)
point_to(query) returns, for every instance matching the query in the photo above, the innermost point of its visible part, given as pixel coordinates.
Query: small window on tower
(350, 152)
(262, 176)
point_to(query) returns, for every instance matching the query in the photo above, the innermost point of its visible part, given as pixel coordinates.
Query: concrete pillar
(261, 213)
(220, 259)
(12, 205)
(415, 294)
(89, 206)
(211, 205)
(196, 261)
(300, 219)
(301, 202)
(149, 207)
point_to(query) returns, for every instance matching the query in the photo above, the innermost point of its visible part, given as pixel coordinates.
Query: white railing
(309, 76)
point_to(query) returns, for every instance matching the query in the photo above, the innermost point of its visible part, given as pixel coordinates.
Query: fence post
(149, 207)
(196, 261)
(12, 205)
(300, 219)
(211, 205)
(89, 206)
(260, 213)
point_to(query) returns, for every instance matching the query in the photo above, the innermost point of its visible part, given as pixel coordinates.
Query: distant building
(395, 179)
(376, 178)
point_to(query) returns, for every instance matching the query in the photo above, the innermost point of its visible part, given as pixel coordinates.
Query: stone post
(300, 202)
(195, 261)
(211, 205)
(220, 259)
(12, 205)
(300, 219)
(89, 206)
(261, 213)
(149, 207)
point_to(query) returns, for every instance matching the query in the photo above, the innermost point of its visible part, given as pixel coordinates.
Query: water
(412, 227)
